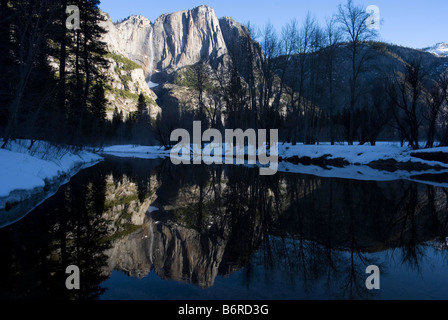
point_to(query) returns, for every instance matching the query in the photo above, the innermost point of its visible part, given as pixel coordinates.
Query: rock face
(174, 40)
(132, 81)
(123, 205)
(177, 40)
(174, 252)
(183, 38)
(130, 38)
(185, 255)
(244, 50)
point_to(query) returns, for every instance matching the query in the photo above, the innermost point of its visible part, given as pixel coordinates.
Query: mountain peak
(203, 8)
(440, 49)
(134, 20)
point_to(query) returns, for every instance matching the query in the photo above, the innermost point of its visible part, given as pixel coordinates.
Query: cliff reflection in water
(216, 220)
(193, 224)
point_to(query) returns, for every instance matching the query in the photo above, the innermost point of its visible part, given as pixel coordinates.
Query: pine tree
(87, 62)
(99, 103)
(36, 99)
(6, 65)
(117, 118)
(61, 36)
(142, 127)
(142, 107)
(25, 32)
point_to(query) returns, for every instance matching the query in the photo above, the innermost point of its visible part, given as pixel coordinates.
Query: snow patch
(24, 171)
(152, 85)
(440, 49)
(358, 156)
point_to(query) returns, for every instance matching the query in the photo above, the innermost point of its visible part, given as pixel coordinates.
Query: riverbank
(387, 161)
(387, 155)
(35, 172)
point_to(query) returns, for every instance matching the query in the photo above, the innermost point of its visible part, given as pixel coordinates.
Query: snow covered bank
(383, 162)
(24, 172)
(360, 155)
(353, 155)
(131, 151)
(365, 173)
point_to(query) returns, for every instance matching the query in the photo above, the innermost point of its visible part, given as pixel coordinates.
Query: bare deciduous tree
(443, 81)
(270, 46)
(435, 97)
(332, 39)
(30, 39)
(405, 97)
(353, 19)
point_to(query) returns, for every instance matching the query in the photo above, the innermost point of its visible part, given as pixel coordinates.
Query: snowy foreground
(24, 173)
(357, 159)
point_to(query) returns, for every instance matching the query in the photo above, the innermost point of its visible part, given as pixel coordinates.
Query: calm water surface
(145, 229)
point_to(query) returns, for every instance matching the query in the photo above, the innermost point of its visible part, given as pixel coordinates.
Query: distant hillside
(382, 60)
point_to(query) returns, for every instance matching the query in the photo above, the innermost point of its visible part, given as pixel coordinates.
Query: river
(146, 229)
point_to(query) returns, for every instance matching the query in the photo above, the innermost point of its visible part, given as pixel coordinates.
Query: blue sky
(411, 23)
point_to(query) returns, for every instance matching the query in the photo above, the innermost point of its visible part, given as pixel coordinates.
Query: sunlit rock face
(173, 41)
(185, 37)
(131, 81)
(164, 48)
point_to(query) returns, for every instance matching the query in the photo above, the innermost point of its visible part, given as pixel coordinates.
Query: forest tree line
(53, 84)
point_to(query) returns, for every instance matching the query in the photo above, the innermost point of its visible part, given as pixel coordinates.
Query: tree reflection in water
(66, 230)
(317, 233)
(314, 229)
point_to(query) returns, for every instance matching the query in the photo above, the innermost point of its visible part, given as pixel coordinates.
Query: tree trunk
(62, 73)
